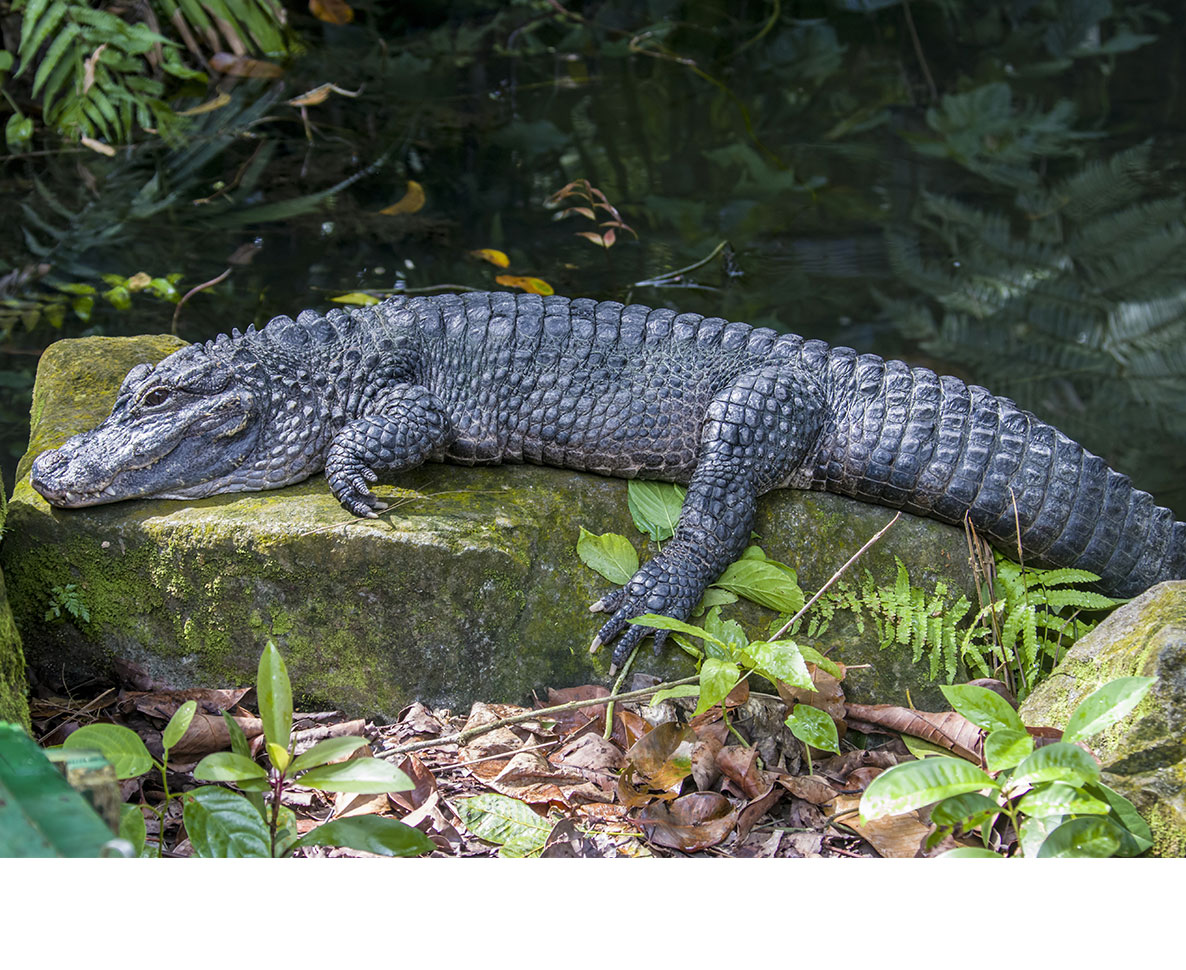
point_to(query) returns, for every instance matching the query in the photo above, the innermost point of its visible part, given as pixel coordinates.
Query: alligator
(729, 410)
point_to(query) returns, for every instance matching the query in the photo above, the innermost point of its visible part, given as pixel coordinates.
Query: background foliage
(988, 187)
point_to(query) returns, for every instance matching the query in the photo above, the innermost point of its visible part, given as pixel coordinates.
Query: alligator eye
(156, 396)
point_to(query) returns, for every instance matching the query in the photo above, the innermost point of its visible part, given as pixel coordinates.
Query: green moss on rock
(14, 705)
(470, 588)
(1144, 756)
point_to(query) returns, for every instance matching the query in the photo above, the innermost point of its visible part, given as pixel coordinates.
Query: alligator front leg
(396, 434)
(757, 432)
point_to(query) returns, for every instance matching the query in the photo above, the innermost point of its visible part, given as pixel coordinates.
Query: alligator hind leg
(756, 432)
(407, 426)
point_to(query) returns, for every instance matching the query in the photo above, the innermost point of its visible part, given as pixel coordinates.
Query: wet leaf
(691, 823)
(495, 256)
(357, 299)
(336, 12)
(532, 284)
(814, 727)
(241, 66)
(119, 745)
(412, 200)
(763, 583)
(223, 825)
(914, 784)
(655, 507)
(1104, 707)
(609, 554)
(504, 821)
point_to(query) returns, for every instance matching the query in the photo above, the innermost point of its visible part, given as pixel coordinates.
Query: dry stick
(501, 756)
(461, 737)
(836, 575)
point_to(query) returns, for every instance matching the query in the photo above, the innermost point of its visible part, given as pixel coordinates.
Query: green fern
(96, 76)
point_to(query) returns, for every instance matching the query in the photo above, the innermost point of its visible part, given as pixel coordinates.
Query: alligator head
(186, 428)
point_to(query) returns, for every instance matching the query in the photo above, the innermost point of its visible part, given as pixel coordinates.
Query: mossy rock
(14, 706)
(1144, 756)
(469, 589)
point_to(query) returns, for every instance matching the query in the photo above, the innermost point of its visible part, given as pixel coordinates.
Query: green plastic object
(40, 814)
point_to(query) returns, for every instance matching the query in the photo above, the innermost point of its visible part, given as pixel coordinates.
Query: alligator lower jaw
(66, 498)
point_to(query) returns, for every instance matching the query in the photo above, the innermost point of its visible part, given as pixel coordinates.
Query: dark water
(990, 189)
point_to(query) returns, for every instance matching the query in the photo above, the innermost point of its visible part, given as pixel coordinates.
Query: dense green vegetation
(990, 186)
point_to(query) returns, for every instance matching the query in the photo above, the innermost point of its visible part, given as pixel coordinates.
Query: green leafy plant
(225, 824)
(1028, 628)
(67, 601)
(1051, 796)
(97, 76)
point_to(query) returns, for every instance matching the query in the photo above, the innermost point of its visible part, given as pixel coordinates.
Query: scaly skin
(729, 410)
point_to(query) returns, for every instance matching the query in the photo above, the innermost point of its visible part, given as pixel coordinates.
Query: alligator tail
(906, 438)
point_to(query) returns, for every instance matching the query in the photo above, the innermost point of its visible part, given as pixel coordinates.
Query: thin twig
(676, 273)
(836, 575)
(502, 755)
(609, 710)
(462, 737)
(918, 51)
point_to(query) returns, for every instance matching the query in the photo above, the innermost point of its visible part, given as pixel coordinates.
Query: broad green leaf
(286, 831)
(361, 776)
(357, 299)
(178, 724)
(717, 678)
(1105, 706)
(1033, 833)
(914, 784)
(729, 632)
(504, 821)
(987, 709)
(763, 583)
(967, 811)
(670, 623)
(1055, 762)
(122, 747)
(1124, 814)
(610, 555)
(224, 825)
(238, 739)
(275, 696)
(971, 852)
(1060, 799)
(780, 660)
(279, 757)
(655, 507)
(924, 749)
(323, 752)
(228, 766)
(714, 597)
(813, 656)
(1093, 837)
(1006, 748)
(370, 833)
(18, 132)
(132, 827)
(686, 690)
(814, 727)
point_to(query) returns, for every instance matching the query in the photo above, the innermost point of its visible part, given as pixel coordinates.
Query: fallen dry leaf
(495, 256)
(828, 696)
(946, 728)
(691, 823)
(811, 788)
(661, 760)
(424, 781)
(208, 733)
(237, 65)
(740, 765)
(412, 201)
(532, 284)
(757, 807)
(595, 758)
(335, 12)
(893, 836)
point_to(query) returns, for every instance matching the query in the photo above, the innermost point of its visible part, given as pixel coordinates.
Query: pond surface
(991, 189)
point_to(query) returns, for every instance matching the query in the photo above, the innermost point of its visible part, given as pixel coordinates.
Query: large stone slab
(470, 589)
(1144, 756)
(14, 706)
